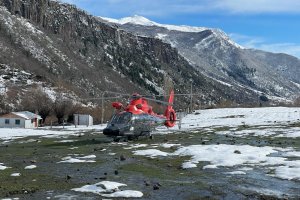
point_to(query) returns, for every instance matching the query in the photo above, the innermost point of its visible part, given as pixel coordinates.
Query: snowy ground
(109, 189)
(236, 153)
(7, 134)
(261, 122)
(235, 117)
(276, 117)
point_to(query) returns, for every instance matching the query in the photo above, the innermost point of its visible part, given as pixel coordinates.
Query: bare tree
(4, 107)
(37, 100)
(74, 109)
(297, 101)
(61, 107)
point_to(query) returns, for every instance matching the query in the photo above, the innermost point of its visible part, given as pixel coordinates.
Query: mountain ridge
(66, 47)
(62, 46)
(213, 53)
(140, 20)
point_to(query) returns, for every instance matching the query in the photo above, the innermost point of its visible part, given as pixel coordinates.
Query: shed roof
(22, 115)
(27, 115)
(11, 115)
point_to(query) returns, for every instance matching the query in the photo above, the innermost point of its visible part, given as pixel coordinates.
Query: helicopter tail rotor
(170, 112)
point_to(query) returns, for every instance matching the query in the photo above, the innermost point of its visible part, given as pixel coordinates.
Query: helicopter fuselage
(126, 124)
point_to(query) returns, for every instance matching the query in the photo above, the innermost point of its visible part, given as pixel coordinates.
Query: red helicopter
(138, 118)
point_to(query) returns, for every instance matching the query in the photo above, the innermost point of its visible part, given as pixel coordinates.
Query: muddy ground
(156, 178)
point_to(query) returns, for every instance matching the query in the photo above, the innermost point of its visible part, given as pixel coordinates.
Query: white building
(22, 119)
(80, 119)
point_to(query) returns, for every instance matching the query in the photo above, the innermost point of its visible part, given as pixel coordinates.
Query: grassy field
(117, 162)
(269, 171)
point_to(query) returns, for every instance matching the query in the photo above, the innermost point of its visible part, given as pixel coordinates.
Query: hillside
(61, 47)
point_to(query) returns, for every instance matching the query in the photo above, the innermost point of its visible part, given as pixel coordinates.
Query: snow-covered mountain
(214, 54)
(57, 45)
(140, 20)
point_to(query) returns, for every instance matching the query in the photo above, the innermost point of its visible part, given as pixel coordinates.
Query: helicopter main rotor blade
(159, 101)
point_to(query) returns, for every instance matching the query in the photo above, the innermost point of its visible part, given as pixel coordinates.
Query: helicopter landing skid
(127, 138)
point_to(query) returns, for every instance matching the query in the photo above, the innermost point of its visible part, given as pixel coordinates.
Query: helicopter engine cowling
(171, 117)
(117, 105)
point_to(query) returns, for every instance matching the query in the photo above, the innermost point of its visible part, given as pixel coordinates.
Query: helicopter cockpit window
(121, 118)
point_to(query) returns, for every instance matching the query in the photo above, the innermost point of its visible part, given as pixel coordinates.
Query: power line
(183, 94)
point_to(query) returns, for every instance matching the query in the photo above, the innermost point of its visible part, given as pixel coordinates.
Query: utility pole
(102, 107)
(103, 98)
(191, 101)
(102, 103)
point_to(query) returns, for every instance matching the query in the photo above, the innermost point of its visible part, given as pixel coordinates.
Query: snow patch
(292, 154)
(125, 194)
(236, 173)
(287, 172)
(30, 167)
(84, 159)
(109, 189)
(2, 166)
(297, 84)
(65, 141)
(290, 134)
(245, 169)
(188, 165)
(139, 20)
(150, 153)
(161, 36)
(15, 174)
(167, 145)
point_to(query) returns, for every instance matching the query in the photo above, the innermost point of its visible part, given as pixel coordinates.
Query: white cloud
(288, 48)
(167, 7)
(247, 41)
(259, 6)
(68, 1)
(143, 7)
(262, 44)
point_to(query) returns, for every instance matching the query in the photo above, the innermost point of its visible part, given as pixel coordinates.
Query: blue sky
(271, 25)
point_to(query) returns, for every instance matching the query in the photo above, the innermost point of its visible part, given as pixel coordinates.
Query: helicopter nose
(112, 131)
